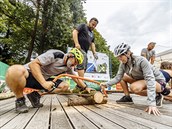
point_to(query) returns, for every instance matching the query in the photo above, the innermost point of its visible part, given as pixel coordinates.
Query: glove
(95, 56)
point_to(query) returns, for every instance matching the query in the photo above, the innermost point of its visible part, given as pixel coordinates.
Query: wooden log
(95, 95)
(87, 99)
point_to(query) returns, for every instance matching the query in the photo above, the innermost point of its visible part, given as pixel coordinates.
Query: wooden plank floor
(55, 114)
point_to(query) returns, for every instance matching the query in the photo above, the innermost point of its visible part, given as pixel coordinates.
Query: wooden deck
(55, 114)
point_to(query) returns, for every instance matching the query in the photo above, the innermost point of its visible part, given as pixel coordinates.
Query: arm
(118, 77)
(152, 59)
(93, 48)
(143, 53)
(75, 38)
(150, 81)
(79, 82)
(35, 67)
(115, 80)
(151, 87)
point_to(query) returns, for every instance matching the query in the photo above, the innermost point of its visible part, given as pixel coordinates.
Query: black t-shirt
(85, 36)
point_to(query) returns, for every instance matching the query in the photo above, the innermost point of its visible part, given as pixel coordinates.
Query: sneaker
(34, 98)
(21, 106)
(125, 100)
(159, 99)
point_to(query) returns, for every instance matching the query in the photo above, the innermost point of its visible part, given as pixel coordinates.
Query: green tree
(17, 23)
(39, 25)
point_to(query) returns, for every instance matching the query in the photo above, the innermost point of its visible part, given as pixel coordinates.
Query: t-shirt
(149, 54)
(52, 63)
(85, 36)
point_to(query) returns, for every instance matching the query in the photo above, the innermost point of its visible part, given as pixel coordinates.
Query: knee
(16, 71)
(124, 78)
(65, 87)
(135, 89)
(16, 75)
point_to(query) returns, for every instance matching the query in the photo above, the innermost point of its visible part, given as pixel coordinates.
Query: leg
(82, 67)
(140, 88)
(126, 79)
(81, 73)
(62, 87)
(124, 83)
(168, 97)
(16, 80)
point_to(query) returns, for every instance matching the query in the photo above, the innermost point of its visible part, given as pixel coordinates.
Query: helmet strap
(69, 56)
(126, 55)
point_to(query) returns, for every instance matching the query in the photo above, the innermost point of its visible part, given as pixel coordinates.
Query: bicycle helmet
(78, 55)
(121, 49)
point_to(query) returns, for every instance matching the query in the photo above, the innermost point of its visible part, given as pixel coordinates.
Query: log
(87, 99)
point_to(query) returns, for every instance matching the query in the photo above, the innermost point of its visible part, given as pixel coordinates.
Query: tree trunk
(34, 33)
(44, 25)
(88, 99)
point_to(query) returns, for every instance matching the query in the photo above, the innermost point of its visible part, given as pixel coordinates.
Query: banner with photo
(97, 69)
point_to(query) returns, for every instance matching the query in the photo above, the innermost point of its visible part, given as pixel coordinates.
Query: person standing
(149, 53)
(83, 37)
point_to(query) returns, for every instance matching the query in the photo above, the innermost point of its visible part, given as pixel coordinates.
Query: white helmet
(121, 49)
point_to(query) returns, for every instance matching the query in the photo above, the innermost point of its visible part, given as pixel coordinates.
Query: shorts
(31, 82)
(84, 63)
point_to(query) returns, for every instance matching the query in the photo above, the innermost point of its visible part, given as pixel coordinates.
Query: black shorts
(31, 82)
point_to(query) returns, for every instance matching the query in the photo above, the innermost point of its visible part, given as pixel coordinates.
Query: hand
(103, 84)
(153, 109)
(95, 56)
(78, 46)
(102, 87)
(88, 89)
(48, 85)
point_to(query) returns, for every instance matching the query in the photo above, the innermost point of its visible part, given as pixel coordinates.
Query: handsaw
(29, 90)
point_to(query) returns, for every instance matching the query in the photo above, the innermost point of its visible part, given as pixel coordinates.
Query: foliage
(16, 27)
(28, 26)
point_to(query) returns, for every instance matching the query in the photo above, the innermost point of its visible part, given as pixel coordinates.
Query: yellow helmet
(78, 55)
